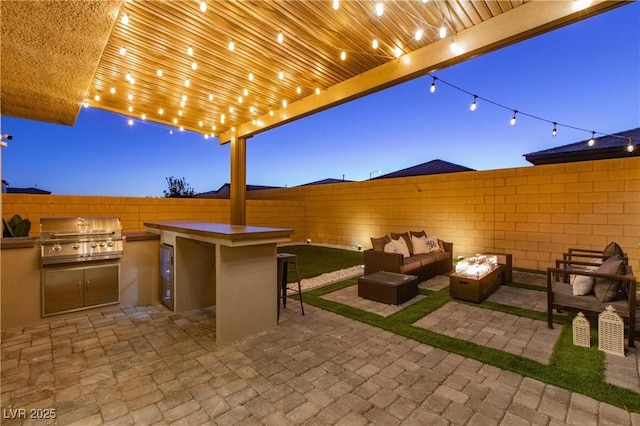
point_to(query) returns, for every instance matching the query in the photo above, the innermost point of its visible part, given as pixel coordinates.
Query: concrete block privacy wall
(134, 212)
(536, 213)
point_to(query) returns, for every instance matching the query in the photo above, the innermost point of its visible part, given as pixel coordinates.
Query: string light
(125, 19)
(343, 55)
(130, 122)
(630, 147)
(231, 45)
(336, 4)
(280, 37)
(203, 6)
(513, 119)
(194, 66)
(123, 51)
(443, 29)
(250, 76)
(592, 141)
(474, 105)
(554, 131)
(190, 51)
(281, 75)
(379, 8)
(374, 43)
(419, 33)
(159, 72)
(432, 89)
(112, 90)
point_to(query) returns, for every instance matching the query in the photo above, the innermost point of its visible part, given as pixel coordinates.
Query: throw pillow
(406, 238)
(418, 234)
(379, 243)
(611, 250)
(607, 290)
(401, 246)
(432, 244)
(581, 285)
(390, 247)
(419, 245)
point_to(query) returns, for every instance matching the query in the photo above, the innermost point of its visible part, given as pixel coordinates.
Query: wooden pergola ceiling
(236, 68)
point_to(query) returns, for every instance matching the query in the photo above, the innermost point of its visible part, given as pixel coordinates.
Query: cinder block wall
(535, 213)
(134, 212)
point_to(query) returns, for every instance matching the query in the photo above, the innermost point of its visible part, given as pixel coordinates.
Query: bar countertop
(223, 231)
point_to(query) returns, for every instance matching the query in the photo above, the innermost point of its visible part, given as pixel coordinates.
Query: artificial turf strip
(573, 368)
(317, 260)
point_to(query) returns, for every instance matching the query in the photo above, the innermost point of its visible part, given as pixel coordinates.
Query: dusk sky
(586, 75)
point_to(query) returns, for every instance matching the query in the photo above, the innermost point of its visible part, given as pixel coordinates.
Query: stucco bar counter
(230, 266)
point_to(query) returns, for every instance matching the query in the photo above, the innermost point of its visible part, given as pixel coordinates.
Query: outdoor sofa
(424, 256)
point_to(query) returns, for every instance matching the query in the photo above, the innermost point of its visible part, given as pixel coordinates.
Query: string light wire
(630, 145)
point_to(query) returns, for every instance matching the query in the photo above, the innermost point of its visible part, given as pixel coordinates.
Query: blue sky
(586, 75)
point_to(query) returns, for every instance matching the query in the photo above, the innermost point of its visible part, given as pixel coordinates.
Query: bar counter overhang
(233, 267)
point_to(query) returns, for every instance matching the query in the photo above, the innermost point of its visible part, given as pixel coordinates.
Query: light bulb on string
(203, 6)
(513, 119)
(379, 8)
(374, 43)
(474, 105)
(343, 55)
(630, 147)
(231, 45)
(336, 4)
(432, 89)
(592, 141)
(443, 30)
(418, 35)
(554, 131)
(280, 37)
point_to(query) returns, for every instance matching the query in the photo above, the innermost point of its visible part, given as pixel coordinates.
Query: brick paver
(147, 365)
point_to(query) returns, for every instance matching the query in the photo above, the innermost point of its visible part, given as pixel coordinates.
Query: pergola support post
(238, 181)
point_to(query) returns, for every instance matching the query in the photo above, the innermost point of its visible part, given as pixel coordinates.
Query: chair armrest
(628, 278)
(375, 261)
(585, 251)
(448, 247)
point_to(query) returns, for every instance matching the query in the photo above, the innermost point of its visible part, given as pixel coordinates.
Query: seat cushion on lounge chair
(563, 296)
(409, 265)
(607, 290)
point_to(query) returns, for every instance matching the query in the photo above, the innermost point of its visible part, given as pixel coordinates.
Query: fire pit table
(388, 287)
(475, 278)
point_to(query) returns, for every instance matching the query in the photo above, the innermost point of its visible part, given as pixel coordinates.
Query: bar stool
(284, 259)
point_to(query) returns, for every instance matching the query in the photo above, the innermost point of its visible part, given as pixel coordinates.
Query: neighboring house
(433, 167)
(610, 146)
(325, 181)
(11, 190)
(225, 191)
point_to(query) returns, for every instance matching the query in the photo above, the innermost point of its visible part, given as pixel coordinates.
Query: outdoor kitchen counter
(230, 266)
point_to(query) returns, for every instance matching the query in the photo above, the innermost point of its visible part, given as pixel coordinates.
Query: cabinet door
(101, 285)
(63, 290)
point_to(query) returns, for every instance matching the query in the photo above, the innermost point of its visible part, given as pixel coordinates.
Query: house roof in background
(326, 181)
(27, 191)
(433, 167)
(608, 146)
(225, 190)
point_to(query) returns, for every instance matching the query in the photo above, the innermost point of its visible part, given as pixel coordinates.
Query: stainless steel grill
(80, 239)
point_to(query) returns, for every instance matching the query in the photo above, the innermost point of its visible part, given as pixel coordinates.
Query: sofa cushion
(419, 245)
(406, 238)
(418, 234)
(425, 258)
(379, 243)
(410, 264)
(433, 245)
(611, 250)
(605, 289)
(401, 246)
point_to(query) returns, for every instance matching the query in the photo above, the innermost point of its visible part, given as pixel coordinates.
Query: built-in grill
(80, 239)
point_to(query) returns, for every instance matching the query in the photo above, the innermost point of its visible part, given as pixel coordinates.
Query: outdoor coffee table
(388, 287)
(474, 288)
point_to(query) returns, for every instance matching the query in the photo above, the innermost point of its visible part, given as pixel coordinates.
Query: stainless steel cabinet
(166, 276)
(73, 288)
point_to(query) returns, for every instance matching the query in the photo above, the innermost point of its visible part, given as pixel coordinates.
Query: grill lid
(79, 239)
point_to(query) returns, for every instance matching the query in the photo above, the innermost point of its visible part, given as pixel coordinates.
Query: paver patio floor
(148, 365)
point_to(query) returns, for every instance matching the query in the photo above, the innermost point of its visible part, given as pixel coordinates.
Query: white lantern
(581, 331)
(611, 332)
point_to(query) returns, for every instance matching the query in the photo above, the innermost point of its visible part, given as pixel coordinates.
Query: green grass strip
(317, 260)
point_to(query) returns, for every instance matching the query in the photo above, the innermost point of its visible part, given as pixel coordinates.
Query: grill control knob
(76, 246)
(56, 247)
(102, 244)
(111, 244)
(94, 245)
